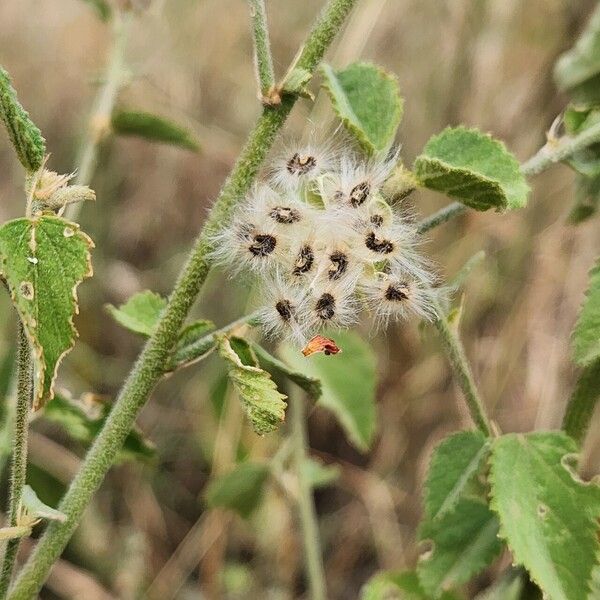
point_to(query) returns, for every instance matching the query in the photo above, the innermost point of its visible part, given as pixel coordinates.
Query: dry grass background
(486, 63)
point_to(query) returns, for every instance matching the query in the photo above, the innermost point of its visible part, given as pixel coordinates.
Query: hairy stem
(441, 216)
(262, 47)
(306, 506)
(149, 367)
(462, 371)
(104, 103)
(201, 347)
(19, 457)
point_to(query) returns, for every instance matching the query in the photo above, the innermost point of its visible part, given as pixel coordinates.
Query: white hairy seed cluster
(324, 245)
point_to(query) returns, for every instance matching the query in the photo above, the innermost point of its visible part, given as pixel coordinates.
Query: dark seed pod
(285, 310)
(339, 265)
(304, 260)
(376, 220)
(381, 246)
(285, 215)
(325, 307)
(360, 193)
(301, 165)
(263, 245)
(397, 292)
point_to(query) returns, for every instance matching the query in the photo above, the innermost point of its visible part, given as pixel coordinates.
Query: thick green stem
(149, 367)
(106, 98)
(18, 470)
(262, 47)
(306, 505)
(462, 372)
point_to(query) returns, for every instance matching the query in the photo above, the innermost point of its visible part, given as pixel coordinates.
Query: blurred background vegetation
(149, 533)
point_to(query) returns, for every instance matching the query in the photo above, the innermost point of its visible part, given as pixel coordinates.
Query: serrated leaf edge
(493, 504)
(327, 71)
(498, 143)
(37, 348)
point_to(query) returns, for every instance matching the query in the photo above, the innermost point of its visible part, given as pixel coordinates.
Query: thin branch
(441, 216)
(306, 506)
(100, 119)
(149, 367)
(263, 59)
(19, 458)
(462, 372)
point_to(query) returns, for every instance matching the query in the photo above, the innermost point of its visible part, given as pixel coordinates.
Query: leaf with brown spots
(43, 260)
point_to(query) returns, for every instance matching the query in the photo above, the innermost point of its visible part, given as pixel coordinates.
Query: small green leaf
(393, 585)
(577, 119)
(586, 335)
(267, 361)
(193, 344)
(36, 509)
(367, 100)
(587, 199)
(457, 523)
(578, 70)
(43, 260)
(263, 404)
(472, 167)
(318, 474)
(583, 402)
(26, 138)
(453, 473)
(239, 490)
(548, 516)
(154, 128)
(141, 313)
(84, 420)
(348, 381)
(101, 8)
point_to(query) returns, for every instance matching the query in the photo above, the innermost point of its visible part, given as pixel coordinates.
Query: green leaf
(393, 585)
(548, 516)
(141, 313)
(578, 70)
(577, 119)
(101, 8)
(587, 199)
(240, 490)
(310, 385)
(583, 402)
(263, 404)
(26, 138)
(153, 128)
(453, 473)
(318, 474)
(84, 420)
(193, 344)
(348, 381)
(36, 509)
(457, 523)
(367, 100)
(586, 335)
(43, 260)
(472, 167)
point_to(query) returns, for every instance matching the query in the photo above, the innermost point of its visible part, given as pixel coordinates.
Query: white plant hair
(325, 244)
